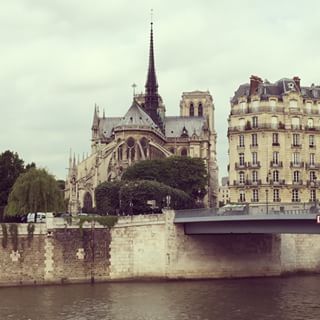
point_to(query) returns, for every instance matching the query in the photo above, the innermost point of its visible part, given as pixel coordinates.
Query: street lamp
(267, 190)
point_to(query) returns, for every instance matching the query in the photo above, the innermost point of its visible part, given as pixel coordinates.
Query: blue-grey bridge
(208, 221)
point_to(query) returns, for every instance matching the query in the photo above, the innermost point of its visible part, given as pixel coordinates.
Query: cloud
(58, 58)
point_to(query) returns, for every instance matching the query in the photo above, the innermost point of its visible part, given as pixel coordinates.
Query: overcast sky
(60, 57)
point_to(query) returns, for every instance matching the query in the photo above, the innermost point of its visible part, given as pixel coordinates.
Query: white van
(41, 217)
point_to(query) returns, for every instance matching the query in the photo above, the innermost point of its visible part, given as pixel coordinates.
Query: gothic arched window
(191, 110)
(87, 203)
(184, 152)
(130, 149)
(200, 110)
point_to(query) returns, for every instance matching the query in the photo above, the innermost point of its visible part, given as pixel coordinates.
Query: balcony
(313, 183)
(296, 127)
(254, 165)
(254, 146)
(280, 182)
(312, 165)
(249, 126)
(253, 182)
(276, 164)
(275, 144)
(297, 183)
(296, 164)
(240, 165)
(296, 146)
(312, 146)
(238, 183)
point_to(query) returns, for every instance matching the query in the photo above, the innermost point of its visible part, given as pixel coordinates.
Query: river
(245, 299)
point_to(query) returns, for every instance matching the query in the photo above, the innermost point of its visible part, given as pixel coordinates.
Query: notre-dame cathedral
(145, 132)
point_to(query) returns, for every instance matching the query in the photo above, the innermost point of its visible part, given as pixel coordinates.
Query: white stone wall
(152, 246)
(300, 253)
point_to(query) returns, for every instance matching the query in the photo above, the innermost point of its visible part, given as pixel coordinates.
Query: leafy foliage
(4, 235)
(34, 191)
(184, 173)
(106, 221)
(131, 197)
(11, 166)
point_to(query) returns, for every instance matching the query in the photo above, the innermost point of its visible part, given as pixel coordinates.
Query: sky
(58, 58)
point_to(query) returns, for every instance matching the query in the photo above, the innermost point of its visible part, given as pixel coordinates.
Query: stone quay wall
(147, 247)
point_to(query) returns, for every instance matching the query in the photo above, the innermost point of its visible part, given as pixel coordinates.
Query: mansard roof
(265, 89)
(175, 125)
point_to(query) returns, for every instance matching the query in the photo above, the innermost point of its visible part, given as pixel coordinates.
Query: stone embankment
(146, 247)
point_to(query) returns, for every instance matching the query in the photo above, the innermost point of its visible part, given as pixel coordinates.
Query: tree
(184, 173)
(10, 168)
(34, 191)
(132, 197)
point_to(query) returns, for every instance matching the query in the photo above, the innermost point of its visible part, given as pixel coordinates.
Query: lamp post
(267, 198)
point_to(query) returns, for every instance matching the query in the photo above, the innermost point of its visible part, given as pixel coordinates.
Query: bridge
(208, 221)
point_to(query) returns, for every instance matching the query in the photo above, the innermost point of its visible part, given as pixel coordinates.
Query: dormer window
(184, 133)
(293, 104)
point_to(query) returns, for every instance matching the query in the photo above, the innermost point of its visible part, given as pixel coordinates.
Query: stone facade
(274, 135)
(145, 132)
(148, 247)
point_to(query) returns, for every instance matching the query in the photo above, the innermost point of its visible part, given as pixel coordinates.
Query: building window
(243, 106)
(295, 123)
(308, 107)
(310, 123)
(272, 104)
(200, 110)
(274, 122)
(255, 195)
(242, 196)
(312, 158)
(184, 152)
(255, 105)
(241, 177)
(191, 110)
(254, 140)
(311, 141)
(254, 122)
(296, 176)
(254, 176)
(293, 104)
(296, 139)
(254, 158)
(241, 159)
(275, 157)
(241, 123)
(275, 139)
(276, 195)
(275, 176)
(312, 176)
(241, 140)
(296, 158)
(313, 195)
(295, 195)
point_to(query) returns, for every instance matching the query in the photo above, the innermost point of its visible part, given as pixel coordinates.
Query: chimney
(254, 84)
(297, 82)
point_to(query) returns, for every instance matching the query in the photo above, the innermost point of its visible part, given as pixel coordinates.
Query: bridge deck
(206, 221)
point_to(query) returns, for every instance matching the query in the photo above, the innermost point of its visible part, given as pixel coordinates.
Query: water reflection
(276, 298)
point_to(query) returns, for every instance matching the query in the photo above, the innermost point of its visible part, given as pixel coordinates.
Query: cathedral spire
(151, 84)
(152, 98)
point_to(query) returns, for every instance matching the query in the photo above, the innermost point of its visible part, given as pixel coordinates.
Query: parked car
(41, 217)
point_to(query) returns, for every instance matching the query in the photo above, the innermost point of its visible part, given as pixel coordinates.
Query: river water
(246, 299)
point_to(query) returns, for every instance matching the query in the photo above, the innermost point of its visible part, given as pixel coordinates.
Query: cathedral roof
(176, 125)
(136, 116)
(106, 125)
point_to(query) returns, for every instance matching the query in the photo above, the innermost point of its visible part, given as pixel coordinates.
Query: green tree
(34, 191)
(184, 173)
(10, 168)
(132, 197)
